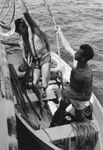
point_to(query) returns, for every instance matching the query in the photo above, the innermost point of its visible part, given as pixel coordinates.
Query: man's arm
(67, 45)
(65, 42)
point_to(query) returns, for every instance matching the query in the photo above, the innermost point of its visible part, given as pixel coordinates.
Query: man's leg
(58, 118)
(36, 77)
(45, 70)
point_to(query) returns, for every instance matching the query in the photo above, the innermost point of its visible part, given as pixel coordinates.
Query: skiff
(33, 128)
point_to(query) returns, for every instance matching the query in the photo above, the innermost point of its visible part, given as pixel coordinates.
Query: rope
(58, 50)
(50, 12)
(13, 12)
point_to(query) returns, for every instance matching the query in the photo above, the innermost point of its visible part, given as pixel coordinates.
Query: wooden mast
(8, 137)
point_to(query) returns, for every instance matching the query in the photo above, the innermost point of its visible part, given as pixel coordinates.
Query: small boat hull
(45, 137)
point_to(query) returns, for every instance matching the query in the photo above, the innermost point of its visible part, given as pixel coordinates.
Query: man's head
(85, 53)
(20, 26)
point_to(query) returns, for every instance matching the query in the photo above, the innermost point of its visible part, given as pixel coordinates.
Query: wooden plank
(50, 95)
(58, 133)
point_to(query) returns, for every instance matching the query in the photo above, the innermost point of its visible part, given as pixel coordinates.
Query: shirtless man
(79, 91)
(35, 47)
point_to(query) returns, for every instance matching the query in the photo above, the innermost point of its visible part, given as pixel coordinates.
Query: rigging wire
(12, 19)
(60, 66)
(50, 12)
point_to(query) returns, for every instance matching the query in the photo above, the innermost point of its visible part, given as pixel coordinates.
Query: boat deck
(32, 117)
(61, 132)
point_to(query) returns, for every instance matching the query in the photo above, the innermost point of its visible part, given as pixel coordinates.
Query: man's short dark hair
(88, 52)
(20, 25)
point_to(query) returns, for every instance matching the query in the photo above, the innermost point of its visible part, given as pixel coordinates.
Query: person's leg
(59, 115)
(45, 63)
(45, 70)
(36, 76)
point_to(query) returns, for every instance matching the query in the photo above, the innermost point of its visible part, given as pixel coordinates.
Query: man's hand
(58, 29)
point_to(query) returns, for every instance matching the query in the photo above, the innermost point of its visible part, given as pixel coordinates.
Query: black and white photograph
(51, 74)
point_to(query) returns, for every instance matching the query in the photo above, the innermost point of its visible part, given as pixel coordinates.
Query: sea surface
(81, 22)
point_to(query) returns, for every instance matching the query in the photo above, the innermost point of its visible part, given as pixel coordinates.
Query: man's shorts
(85, 114)
(45, 59)
(41, 61)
